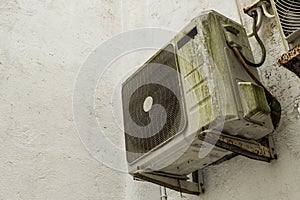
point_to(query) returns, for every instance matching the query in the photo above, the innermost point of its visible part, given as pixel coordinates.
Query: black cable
(261, 44)
(243, 62)
(273, 102)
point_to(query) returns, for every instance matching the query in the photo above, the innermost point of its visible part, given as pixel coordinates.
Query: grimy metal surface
(250, 149)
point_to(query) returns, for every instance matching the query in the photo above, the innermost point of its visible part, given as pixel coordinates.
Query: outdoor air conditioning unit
(192, 104)
(289, 16)
(288, 13)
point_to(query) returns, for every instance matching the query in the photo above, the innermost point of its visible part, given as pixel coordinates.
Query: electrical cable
(273, 102)
(258, 21)
(265, 11)
(245, 66)
(261, 44)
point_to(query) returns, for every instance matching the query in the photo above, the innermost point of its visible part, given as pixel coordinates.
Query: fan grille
(289, 15)
(163, 85)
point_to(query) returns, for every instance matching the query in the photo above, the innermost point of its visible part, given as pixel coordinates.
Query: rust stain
(291, 60)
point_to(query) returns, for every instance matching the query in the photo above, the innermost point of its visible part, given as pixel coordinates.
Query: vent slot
(190, 35)
(289, 15)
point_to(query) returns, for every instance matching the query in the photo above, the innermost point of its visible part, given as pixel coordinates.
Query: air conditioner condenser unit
(192, 104)
(288, 14)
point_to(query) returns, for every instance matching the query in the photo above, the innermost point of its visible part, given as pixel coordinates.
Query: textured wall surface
(43, 45)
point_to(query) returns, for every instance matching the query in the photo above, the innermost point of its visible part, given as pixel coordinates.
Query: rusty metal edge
(250, 149)
(291, 54)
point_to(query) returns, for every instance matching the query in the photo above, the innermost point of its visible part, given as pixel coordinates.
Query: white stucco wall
(43, 45)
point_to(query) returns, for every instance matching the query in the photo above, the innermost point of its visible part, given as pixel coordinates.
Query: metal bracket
(180, 185)
(260, 8)
(263, 4)
(262, 150)
(249, 148)
(271, 145)
(198, 177)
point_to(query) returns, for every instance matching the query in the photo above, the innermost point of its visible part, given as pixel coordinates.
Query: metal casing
(213, 87)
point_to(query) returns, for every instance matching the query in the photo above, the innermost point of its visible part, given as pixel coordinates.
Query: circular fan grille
(145, 130)
(289, 15)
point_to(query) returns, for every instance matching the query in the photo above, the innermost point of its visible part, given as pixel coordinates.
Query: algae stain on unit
(191, 65)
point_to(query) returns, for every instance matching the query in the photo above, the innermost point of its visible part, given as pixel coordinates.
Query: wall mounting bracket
(183, 185)
(262, 150)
